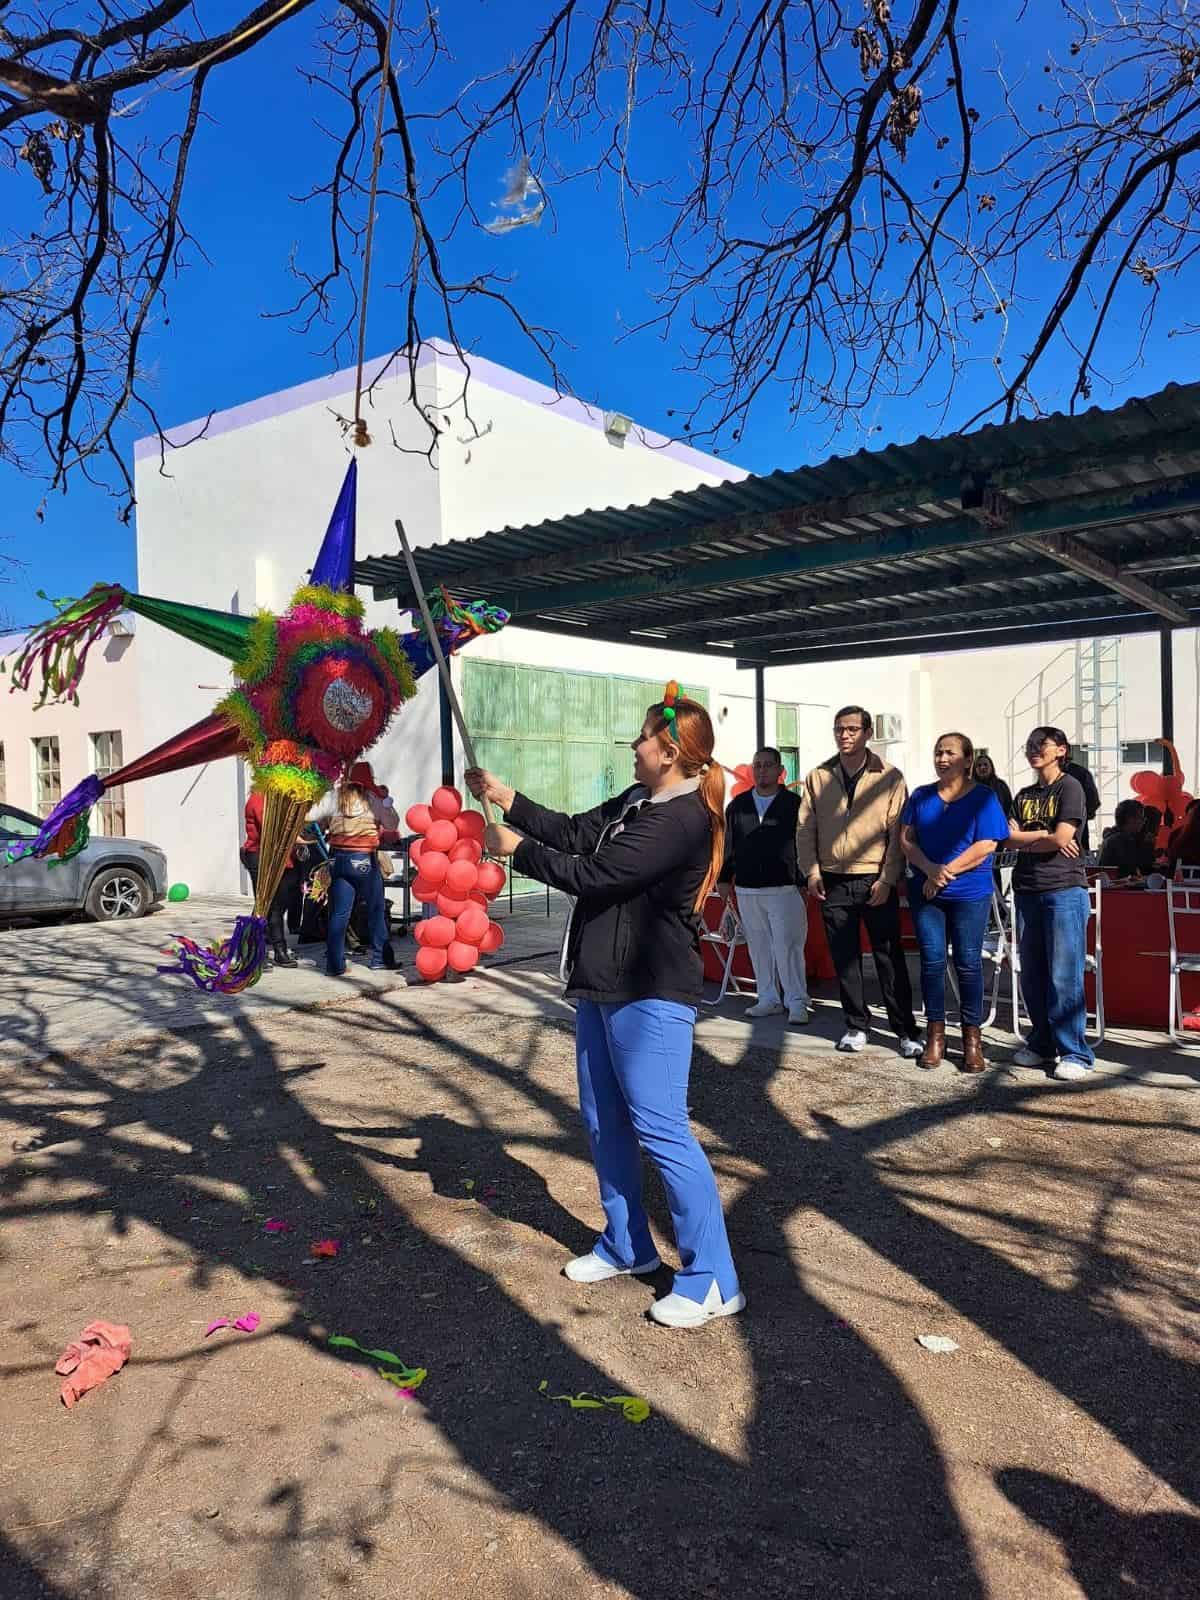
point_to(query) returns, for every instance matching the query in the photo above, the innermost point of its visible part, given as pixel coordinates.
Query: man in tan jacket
(848, 850)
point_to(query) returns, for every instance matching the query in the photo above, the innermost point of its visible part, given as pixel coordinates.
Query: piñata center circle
(345, 707)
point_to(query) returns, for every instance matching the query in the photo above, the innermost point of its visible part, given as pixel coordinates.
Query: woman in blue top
(949, 832)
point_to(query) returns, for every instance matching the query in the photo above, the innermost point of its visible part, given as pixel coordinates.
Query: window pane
(1135, 753)
(47, 773)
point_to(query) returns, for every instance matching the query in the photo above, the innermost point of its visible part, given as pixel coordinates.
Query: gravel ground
(810, 1447)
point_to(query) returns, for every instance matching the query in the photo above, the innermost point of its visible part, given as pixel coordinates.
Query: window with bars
(787, 740)
(107, 758)
(47, 773)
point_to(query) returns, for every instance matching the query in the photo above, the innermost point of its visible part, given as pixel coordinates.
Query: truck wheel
(117, 894)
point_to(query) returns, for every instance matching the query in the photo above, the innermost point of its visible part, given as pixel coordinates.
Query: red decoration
(441, 835)
(417, 819)
(431, 963)
(439, 932)
(446, 803)
(424, 891)
(471, 925)
(467, 850)
(415, 851)
(435, 864)
(461, 878)
(480, 898)
(450, 906)
(492, 939)
(420, 927)
(491, 878)
(462, 957)
(470, 825)
(1165, 791)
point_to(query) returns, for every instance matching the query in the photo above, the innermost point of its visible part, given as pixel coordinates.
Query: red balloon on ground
(470, 825)
(446, 802)
(492, 939)
(441, 835)
(439, 932)
(431, 963)
(435, 864)
(461, 878)
(471, 926)
(467, 850)
(462, 957)
(416, 850)
(424, 891)
(418, 818)
(451, 906)
(491, 878)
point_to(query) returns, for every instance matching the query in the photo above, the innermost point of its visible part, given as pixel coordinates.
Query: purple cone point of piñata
(226, 968)
(335, 560)
(73, 808)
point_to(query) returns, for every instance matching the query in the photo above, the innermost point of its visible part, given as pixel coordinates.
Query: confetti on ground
(405, 1378)
(246, 1324)
(631, 1407)
(938, 1343)
(324, 1247)
(276, 1225)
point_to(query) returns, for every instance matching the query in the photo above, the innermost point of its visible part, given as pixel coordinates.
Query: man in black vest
(760, 862)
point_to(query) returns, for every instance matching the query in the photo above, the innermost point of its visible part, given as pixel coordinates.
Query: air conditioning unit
(889, 728)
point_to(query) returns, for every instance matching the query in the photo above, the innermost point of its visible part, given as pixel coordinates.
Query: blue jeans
(1052, 938)
(962, 924)
(633, 1062)
(353, 874)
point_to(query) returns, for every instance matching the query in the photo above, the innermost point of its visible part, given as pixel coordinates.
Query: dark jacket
(1091, 797)
(761, 855)
(635, 867)
(1002, 792)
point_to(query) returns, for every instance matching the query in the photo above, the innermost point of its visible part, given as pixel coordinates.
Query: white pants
(775, 922)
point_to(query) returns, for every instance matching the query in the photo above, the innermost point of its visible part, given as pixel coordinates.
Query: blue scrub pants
(353, 874)
(633, 1061)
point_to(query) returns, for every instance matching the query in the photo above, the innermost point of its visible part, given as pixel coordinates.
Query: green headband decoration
(671, 696)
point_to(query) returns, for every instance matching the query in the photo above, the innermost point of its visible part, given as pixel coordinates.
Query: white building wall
(108, 702)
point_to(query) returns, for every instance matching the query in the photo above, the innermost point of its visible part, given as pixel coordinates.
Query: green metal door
(563, 738)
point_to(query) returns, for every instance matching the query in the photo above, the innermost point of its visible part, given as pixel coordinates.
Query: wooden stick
(443, 665)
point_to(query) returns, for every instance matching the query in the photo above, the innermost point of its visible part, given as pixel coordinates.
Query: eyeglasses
(841, 728)
(1036, 746)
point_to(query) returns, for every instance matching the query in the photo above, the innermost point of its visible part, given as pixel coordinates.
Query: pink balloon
(470, 825)
(492, 878)
(424, 891)
(435, 864)
(439, 932)
(492, 939)
(431, 963)
(467, 850)
(450, 906)
(441, 835)
(446, 803)
(462, 957)
(461, 877)
(417, 819)
(471, 926)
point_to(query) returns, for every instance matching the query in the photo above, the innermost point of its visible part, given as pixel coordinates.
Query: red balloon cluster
(452, 874)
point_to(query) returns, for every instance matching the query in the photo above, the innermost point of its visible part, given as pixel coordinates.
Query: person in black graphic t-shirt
(1053, 906)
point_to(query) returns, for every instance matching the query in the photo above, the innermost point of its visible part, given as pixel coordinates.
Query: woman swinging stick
(640, 867)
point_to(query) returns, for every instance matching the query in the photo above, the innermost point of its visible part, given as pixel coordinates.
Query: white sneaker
(594, 1269)
(765, 1008)
(852, 1041)
(799, 1016)
(910, 1049)
(1025, 1057)
(1070, 1071)
(677, 1311)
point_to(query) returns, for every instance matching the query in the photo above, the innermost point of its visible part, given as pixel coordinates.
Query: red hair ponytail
(690, 729)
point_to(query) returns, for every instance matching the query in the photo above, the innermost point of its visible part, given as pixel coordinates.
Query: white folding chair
(1092, 962)
(727, 938)
(1183, 900)
(996, 941)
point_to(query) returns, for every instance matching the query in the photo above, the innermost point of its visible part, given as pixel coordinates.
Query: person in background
(760, 860)
(949, 834)
(352, 816)
(1053, 907)
(985, 772)
(848, 851)
(1183, 850)
(288, 884)
(1123, 851)
(1151, 828)
(1091, 798)
(639, 866)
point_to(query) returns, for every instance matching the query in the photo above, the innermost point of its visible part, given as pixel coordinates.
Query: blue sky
(258, 148)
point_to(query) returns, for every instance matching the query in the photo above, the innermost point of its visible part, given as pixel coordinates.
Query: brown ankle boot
(934, 1052)
(973, 1060)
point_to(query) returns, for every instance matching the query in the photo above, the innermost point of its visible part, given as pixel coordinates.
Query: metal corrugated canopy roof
(1064, 527)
